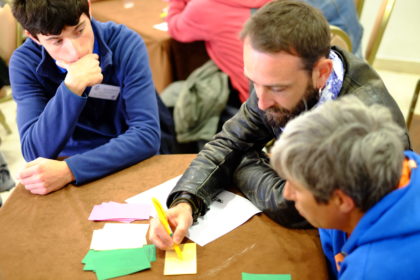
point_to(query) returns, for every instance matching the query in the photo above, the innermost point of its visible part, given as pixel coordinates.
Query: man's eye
(277, 90)
(80, 31)
(58, 42)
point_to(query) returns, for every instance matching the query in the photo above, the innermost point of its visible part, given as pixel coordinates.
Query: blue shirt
(98, 136)
(342, 13)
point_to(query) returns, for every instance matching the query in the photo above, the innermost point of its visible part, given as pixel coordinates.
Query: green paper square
(113, 263)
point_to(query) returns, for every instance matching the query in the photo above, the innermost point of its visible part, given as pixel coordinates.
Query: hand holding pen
(180, 217)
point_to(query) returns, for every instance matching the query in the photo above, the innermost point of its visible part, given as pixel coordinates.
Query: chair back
(413, 104)
(340, 38)
(381, 21)
(8, 34)
(359, 6)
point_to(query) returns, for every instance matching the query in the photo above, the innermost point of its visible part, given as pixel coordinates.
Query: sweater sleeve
(142, 138)
(186, 20)
(46, 120)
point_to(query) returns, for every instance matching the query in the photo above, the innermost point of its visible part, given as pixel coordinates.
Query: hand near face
(180, 219)
(42, 176)
(83, 73)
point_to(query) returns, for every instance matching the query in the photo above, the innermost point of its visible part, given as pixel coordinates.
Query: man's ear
(90, 9)
(321, 72)
(344, 202)
(28, 34)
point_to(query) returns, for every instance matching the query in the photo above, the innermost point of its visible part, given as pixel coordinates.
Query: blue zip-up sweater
(386, 242)
(97, 136)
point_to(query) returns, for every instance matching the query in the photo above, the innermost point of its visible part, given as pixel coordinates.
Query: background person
(219, 22)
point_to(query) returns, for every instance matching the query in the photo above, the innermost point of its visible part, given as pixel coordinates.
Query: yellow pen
(164, 221)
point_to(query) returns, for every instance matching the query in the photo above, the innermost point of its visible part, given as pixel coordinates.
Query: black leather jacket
(234, 156)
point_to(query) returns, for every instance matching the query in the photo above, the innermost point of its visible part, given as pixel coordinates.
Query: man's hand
(83, 73)
(180, 219)
(42, 176)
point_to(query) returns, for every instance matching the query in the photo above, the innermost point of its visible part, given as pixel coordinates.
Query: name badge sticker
(103, 91)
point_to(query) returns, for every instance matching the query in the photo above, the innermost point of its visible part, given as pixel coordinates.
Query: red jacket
(218, 23)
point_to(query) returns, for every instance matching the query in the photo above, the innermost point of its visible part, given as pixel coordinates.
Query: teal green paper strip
(252, 276)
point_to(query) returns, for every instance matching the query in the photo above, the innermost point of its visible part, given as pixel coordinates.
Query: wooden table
(169, 60)
(46, 237)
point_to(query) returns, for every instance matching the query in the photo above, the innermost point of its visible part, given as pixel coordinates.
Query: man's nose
(265, 99)
(288, 192)
(74, 49)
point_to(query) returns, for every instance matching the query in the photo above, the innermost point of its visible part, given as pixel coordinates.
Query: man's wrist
(69, 174)
(75, 88)
(192, 201)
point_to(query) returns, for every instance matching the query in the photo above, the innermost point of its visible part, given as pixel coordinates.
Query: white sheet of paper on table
(119, 236)
(161, 26)
(160, 192)
(226, 213)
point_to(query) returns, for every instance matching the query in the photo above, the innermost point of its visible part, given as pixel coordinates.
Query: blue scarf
(334, 82)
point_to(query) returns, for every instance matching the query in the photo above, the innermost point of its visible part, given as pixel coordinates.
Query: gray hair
(344, 145)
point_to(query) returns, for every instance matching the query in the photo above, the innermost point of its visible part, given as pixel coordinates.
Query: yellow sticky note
(188, 264)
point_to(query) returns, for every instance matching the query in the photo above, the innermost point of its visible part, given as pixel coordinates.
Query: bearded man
(289, 61)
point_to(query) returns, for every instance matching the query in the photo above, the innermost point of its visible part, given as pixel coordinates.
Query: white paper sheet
(226, 213)
(119, 236)
(161, 192)
(161, 26)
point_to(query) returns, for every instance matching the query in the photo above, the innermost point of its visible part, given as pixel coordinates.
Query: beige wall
(401, 41)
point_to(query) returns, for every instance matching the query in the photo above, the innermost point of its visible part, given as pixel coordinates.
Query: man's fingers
(30, 180)
(34, 162)
(160, 243)
(66, 66)
(38, 188)
(181, 230)
(40, 191)
(181, 217)
(159, 236)
(28, 172)
(94, 55)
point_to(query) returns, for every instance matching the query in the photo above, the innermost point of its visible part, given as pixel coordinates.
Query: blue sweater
(97, 136)
(386, 242)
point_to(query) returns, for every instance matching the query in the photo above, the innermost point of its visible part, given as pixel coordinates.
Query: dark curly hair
(48, 17)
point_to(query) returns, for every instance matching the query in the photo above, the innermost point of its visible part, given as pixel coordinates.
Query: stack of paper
(121, 212)
(113, 263)
(119, 236)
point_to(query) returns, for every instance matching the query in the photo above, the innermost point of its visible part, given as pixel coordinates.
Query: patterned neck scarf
(334, 82)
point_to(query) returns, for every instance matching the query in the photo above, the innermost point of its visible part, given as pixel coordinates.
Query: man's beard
(278, 116)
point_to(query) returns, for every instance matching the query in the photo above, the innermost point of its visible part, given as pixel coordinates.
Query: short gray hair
(344, 145)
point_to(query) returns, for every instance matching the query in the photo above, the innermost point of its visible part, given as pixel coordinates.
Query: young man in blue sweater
(84, 93)
(347, 174)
